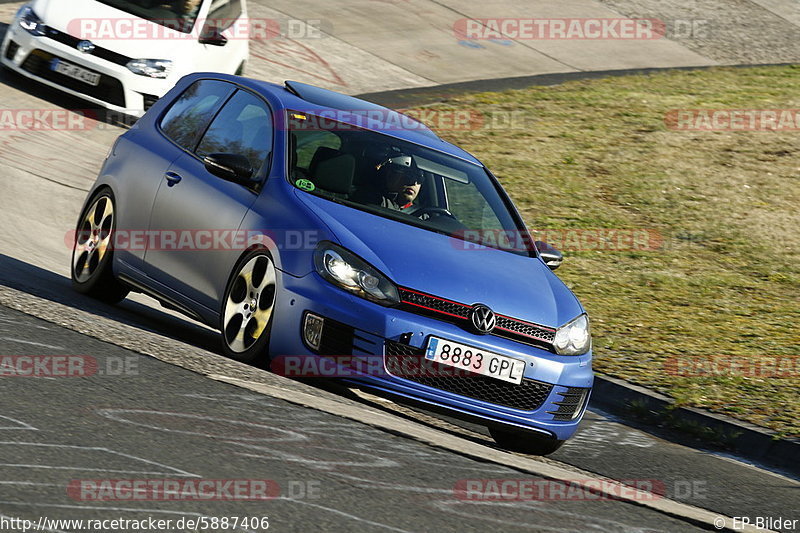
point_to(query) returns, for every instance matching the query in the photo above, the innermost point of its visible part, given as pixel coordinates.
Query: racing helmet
(401, 163)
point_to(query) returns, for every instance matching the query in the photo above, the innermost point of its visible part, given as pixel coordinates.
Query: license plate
(475, 360)
(75, 72)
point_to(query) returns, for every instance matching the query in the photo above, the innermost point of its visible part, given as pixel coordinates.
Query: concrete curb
(403, 98)
(747, 440)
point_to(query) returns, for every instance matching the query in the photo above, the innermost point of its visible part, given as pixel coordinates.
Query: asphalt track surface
(164, 417)
(161, 422)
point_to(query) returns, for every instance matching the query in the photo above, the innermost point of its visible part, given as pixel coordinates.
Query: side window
(308, 142)
(244, 127)
(192, 110)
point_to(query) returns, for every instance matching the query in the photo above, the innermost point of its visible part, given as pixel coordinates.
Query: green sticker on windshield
(306, 185)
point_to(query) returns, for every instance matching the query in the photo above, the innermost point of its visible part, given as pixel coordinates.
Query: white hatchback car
(125, 54)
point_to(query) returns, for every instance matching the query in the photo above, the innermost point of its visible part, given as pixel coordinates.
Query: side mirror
(230, 167)
(212, 36)
(550, 255)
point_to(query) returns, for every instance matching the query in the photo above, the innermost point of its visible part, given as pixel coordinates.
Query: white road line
(20, 424)
(170, 470)
(31, 343)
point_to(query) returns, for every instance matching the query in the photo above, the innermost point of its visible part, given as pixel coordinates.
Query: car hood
(68, 16)
(512, 285)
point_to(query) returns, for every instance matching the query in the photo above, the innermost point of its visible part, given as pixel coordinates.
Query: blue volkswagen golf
(302, 223)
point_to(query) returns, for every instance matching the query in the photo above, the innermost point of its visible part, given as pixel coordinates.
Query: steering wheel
(433, 211)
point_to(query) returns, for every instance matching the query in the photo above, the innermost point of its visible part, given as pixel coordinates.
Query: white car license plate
(475, 360)
(75, 72)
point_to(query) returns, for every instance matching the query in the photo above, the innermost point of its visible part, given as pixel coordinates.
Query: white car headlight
(574, 338)
(30, 21)
(352, 274)
(152, 68)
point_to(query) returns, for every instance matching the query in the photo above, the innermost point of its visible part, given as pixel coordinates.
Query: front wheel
(248, 308)
(524, 442)
(91, 270)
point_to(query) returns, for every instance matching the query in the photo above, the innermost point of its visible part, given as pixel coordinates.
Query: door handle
(172, 178)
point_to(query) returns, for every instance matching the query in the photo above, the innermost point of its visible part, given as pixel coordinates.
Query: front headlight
(152, 68)
(30, 21)
(353, 274)
(574, 338)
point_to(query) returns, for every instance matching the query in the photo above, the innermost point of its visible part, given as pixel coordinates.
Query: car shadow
(57, 98)
(56, 288)
(53, 287)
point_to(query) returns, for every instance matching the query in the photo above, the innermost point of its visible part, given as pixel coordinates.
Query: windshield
(402, 181)
(178, 15)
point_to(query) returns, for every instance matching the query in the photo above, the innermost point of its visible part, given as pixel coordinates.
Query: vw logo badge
(483, 319)
(87, 47)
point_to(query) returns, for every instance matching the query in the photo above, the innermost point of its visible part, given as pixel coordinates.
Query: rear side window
(192, 111)
(308, 142)
(244, 127)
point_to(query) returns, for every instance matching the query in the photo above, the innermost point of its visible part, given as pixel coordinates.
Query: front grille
(435, 304)
(571, 404)
(527, 396)
(99, 51)
(337, 338)
(11, 51)
(109, 89)
(450, 311)
(526, 329)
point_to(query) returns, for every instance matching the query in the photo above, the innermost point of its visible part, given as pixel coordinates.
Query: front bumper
(373, 331)
(119, 89)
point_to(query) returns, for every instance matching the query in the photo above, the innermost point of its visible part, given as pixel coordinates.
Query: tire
(240, 70)
(247, 308)
(92, 252)
(524, 442)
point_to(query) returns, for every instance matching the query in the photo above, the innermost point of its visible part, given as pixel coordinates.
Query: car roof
(314, 100)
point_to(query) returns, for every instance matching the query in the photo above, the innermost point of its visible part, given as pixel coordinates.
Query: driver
(401, 181)
(186, 11)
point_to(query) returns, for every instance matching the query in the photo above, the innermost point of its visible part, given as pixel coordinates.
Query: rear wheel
(248, 308)
(524, 442)
(92, 252)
